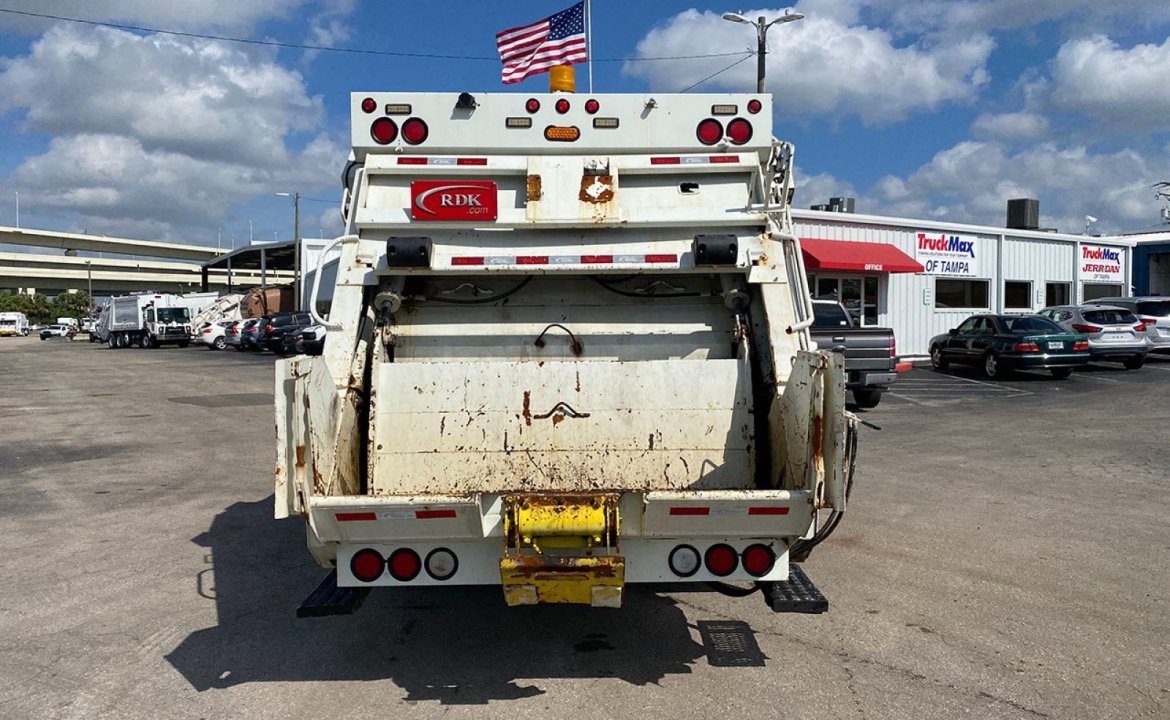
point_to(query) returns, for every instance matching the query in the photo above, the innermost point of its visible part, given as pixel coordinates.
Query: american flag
(556, 40)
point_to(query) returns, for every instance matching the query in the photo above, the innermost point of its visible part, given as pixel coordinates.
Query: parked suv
(251, 334)
(282, 324)
(1114, 333)
(1153, 311)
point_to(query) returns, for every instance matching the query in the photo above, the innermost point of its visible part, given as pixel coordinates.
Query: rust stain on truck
(534, 188)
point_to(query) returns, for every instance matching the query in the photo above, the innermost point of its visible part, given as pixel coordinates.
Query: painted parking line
(932, 388)
(1091, 376)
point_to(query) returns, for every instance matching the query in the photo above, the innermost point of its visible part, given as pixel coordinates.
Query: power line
(323, 48)
(719, 72)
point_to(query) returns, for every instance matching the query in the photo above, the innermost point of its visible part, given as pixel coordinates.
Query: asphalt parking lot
(1004, 557)
(926, 387)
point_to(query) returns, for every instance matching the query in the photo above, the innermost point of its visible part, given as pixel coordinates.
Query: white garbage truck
(147, 320)
(13, 324)
(567, 352)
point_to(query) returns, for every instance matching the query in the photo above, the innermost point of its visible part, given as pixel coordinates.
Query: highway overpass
(180, 269)
(96, 243)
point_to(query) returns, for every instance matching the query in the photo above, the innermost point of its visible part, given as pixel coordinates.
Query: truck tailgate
(457, 428)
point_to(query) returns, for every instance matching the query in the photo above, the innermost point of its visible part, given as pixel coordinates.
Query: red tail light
(1081, 345)
(562, 106)
(592, 106)
(1086, 328)
(414, 131)
(206, 331)
(404, 564)
(532, 105)
(754, 106)
(758, 560)
(1140, 327)
(268, 329)
(893, 347)
(367, 565)
(384, 131)
(1026, 347)
(369, 105)
(710, 131)
(1149, 321)
(739, 130)
(721, 560)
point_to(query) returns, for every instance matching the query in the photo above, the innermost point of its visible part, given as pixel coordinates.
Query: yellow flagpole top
(562, 79)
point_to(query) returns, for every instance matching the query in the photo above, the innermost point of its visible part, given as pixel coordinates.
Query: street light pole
(296, 245)
(17, 209)
(89, 281)
(762, 25)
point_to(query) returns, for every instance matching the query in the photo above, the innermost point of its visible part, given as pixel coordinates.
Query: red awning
(856, 257)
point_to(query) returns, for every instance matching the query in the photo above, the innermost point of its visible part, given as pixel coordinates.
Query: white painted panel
(484, 426)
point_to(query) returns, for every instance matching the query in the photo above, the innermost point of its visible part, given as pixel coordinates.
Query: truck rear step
(328, 599)
(797, 594)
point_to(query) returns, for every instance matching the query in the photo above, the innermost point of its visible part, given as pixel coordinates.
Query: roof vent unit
(841, 204)
(1023, 214)
(822, 208)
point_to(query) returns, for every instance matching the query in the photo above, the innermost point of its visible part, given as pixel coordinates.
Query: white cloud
(1122, 87)
(1011, 126)
(972, 182)
(818, 66)
(170, 132)
(184, 16)
(959, 17)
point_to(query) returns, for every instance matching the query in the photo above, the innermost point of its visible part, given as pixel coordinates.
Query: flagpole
(589, 40)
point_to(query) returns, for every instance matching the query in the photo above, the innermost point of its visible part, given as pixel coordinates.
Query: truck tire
(111, 341)
(184, 343)
(937, 360)
(123, 340)
(1135, 362)
(867, 397)
(146, 340)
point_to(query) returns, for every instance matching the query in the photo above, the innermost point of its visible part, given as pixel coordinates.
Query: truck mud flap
(797, 594)
(328, 599)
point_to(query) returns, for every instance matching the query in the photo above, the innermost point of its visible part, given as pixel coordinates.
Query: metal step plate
(328, 599)
(797, 594)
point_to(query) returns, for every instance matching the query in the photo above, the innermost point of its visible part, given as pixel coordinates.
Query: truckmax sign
(946, 254)
(1101, 263)
(453, 200)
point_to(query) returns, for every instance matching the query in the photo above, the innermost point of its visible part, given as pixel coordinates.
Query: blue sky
(927, 109)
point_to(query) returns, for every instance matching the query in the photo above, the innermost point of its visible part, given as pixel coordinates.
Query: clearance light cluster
(722, 560)
(403, 564)
(561, 133)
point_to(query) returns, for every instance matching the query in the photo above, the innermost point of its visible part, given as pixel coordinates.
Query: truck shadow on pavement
(461, 645)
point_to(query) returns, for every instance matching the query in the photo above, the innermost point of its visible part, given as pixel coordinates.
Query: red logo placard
(453, 200)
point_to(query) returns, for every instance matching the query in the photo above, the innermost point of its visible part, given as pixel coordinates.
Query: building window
(965, 294)
(1055, 293)
(1092, 291)
(1017, 295)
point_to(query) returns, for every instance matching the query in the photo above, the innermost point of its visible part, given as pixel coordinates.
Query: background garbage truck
(568, 351)
(147, 320)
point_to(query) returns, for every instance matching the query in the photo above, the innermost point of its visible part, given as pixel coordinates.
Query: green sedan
(999, 344)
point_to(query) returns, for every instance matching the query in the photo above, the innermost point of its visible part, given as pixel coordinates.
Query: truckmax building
(922, 278)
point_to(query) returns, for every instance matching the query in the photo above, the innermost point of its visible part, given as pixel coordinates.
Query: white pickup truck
(568, 351)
